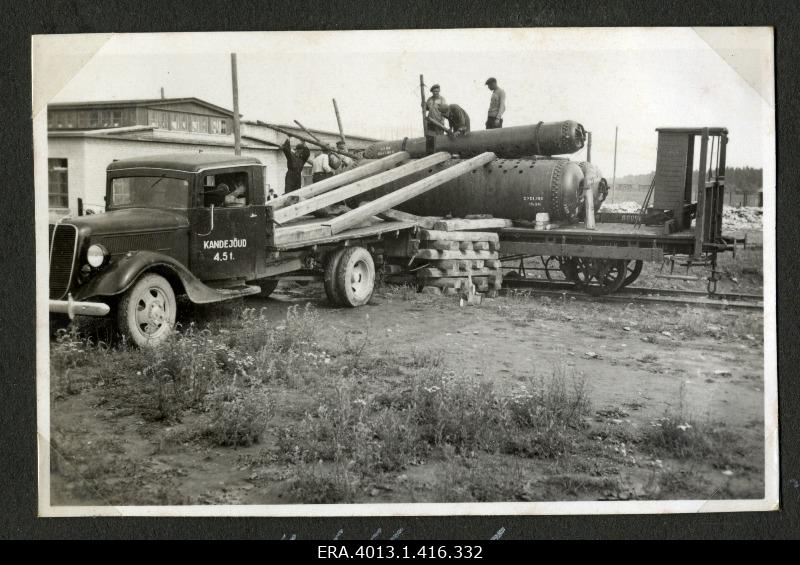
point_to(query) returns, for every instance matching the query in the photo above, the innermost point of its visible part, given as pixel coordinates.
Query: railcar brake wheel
(632, 271)
(596, 276)
(146, 312)
(329, 278)
(355, 277)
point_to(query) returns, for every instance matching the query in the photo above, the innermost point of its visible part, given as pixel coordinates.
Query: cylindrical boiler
(516, 189)
(550, 138)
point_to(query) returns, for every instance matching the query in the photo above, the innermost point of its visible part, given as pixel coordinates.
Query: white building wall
(88, 157)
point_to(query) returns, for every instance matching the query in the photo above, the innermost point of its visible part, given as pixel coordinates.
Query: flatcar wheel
(632, 271)
(551, 263)
(597, 276)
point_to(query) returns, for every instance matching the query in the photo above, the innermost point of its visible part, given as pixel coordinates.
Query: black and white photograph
(414, 272)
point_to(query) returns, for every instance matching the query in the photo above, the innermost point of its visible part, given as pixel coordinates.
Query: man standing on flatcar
(497, 105)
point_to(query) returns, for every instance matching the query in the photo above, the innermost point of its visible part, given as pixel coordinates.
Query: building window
(83, 119)
(223, 126)
(58, 196)
(116, 118)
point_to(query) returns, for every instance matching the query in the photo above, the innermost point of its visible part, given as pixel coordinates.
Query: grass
(356, 416)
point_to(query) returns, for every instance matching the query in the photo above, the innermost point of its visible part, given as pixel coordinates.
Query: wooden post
(354, 189)
(339, 121)
(422, 102)
(614, 178)
(237, 133)
(700, 215)
(336, 181)
(589, 199)
(588, 147)
(353, 217)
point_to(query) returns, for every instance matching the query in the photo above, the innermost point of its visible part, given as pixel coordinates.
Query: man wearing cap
(347, 162)
(457, 118)
(432, 105)
(295, 161)
(497, 105)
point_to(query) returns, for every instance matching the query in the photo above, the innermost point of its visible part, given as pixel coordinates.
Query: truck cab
(173, 224)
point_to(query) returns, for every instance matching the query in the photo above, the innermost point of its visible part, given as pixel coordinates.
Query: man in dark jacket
(456, 117)
(295, 161)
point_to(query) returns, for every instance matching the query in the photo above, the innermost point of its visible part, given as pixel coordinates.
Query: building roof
(144, 102)
(312, 130)
(187, 162)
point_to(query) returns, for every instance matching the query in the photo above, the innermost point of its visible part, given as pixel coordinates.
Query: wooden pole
(422, 101)
(339, 121)
(324, 146)
(237, 133)
(341, 179)
(614, 178)
(305, 129)
(353, 217)
(354, 189)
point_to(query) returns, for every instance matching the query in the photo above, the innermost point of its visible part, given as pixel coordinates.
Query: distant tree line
(738, 179)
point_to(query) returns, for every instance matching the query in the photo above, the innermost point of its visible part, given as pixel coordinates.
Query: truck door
(228, 225)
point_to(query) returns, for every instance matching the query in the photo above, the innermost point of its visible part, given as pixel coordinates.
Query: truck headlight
(96, 255)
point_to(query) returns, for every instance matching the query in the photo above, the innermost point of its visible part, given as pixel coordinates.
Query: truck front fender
(117, 277)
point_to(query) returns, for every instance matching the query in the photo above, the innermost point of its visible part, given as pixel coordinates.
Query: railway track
(642, 295)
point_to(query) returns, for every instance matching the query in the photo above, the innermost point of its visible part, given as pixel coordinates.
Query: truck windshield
(149, 192)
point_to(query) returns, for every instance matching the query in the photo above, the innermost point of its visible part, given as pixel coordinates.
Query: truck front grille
(62, 259)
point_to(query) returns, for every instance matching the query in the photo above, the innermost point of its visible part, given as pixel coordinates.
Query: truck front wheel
(146, 312)
(355, 277)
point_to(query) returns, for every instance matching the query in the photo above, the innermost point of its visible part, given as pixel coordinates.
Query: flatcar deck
(609, 240)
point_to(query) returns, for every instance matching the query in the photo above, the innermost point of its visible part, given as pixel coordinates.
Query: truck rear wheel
(146, 312)
(355, 277)
(331, 266)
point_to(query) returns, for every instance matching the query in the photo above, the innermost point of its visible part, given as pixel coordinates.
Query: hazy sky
(637, 79)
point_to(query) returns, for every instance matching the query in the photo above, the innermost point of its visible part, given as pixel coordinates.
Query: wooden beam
(341, 179)
(435, 235)
(316, 234)
(458, 224)
(392, 214)
(401, 195)
(354, 189)
(434, 254)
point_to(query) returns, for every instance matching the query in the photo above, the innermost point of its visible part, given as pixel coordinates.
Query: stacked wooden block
(455, 259)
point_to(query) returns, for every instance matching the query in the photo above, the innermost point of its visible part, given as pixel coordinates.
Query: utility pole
(614, 178)
(339, 122)
(237, 133)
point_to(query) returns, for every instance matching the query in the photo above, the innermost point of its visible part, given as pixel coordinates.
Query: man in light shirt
(497, 105)
(432, 105)
(321, 167)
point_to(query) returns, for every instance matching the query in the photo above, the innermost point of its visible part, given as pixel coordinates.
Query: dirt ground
(641, 370)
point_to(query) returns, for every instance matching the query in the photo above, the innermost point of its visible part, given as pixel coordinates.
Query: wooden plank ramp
(336, 181)
(343, 222)
(351, 190)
